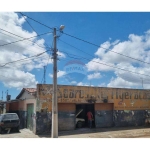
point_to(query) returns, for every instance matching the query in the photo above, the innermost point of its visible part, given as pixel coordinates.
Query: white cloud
(73, 82)
(96, 75)
(83, 84)
(59, 74)
(113, 54)
(96, 64)
(60, 54)
(19, 50)
(102, 85)
(103, 48)
(17, 78)
(121, 83)
(80, 84)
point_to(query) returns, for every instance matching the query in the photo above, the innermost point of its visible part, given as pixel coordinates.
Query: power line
(24, 61)
(75, 47)
(47, 63)
(32, 27)
(36, 21)
(37, 55)
(45, 67)
(96, 46)
(87, 41)
(22, 39)
(103, 64)
(105, 48)
(93, 61)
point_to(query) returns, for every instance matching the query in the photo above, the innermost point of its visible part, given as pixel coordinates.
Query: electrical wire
(24, 62)
(87, 41)
(33, 28)
(102, 63)
(37, 55)
(36, 21)
(89, 55)
(38, 46)
(74, 47)
(47, 63)
(96, 46)
(45, 67)
(22, 39)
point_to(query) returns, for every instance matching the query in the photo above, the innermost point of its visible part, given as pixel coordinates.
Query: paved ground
(142, 132)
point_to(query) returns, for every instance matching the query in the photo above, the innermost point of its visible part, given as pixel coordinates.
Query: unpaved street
(87, 133)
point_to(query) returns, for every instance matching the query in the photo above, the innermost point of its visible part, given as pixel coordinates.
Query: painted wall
(23, 104)
(20, 107)
(129, 105)
(122, 98)
(26, 95)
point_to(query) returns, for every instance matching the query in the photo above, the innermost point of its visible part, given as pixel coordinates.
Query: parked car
(9, 121)
(80, 122)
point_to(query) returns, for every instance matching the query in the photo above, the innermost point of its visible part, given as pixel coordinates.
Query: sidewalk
(115, 132)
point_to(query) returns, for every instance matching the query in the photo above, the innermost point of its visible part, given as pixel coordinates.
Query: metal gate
(29, 116)
(104, 115)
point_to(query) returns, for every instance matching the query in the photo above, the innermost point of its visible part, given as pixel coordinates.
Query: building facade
(25, 106)
(110, 106)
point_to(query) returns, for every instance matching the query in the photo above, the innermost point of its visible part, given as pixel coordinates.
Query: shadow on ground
(11, 132)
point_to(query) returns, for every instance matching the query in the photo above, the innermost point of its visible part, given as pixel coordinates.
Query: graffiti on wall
(131, 117)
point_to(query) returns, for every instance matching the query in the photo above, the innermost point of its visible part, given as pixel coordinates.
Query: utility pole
(142, 83)
(54, 97)
(44, 74)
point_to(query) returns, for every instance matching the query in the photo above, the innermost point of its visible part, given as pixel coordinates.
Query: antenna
(2, 95)
(6, 93)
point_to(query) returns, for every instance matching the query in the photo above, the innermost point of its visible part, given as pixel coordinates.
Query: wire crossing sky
(113, 47)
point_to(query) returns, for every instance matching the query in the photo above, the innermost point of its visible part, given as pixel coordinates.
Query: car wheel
(79, 124)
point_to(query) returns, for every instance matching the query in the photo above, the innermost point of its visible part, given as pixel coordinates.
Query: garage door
(66, 116)
(103, 115)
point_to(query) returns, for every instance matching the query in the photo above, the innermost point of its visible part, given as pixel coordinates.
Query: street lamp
(54, 97)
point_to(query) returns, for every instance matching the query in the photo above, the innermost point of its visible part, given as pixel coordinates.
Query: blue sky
(126, 33)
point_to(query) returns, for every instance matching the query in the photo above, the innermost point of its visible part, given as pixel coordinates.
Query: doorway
(29, 116)
(81, 115)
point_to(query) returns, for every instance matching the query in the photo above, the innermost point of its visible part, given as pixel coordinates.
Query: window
(10, 116)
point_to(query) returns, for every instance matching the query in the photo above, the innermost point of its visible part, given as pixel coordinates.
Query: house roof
(31, 91)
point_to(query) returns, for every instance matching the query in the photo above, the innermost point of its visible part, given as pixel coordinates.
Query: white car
(79, 121)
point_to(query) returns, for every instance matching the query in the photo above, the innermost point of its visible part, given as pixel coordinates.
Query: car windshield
(10, 116)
